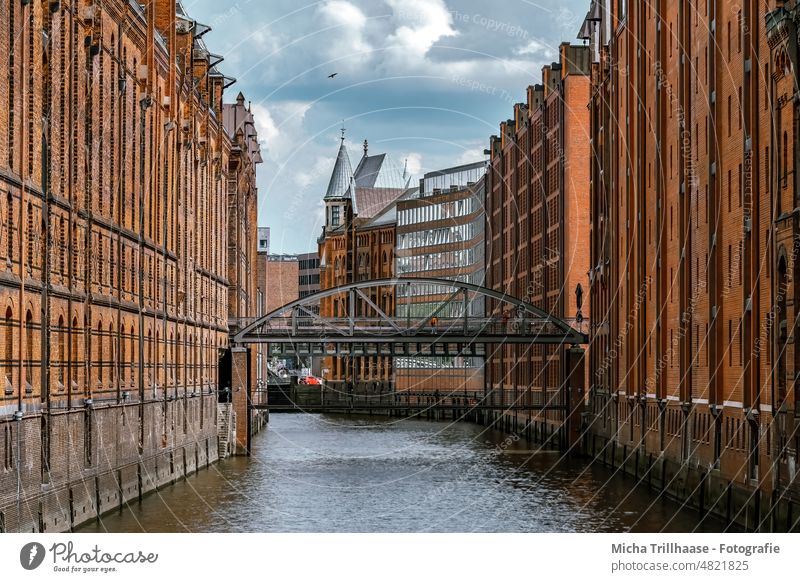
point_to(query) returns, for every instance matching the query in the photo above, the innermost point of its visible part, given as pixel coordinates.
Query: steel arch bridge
(297, 328)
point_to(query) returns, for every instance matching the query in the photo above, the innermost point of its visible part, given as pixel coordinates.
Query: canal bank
(321, 473)
(739, 504)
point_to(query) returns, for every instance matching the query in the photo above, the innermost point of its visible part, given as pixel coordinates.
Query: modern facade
(440, 234)
(537, 210)
(114, 278)
(308, 273)
(693, 242)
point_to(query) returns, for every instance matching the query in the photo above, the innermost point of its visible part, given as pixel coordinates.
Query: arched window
(29, 258)
(123, 353)
(99, 351)
(148, 362)
(62, 246)
(158, 360)
(190, 360)
(112, 353)
(8, 355)
(179, 360)
(73, 356)
(10, 228)
(61, 356)
(28, 351)
(131, 354)
(170, 356)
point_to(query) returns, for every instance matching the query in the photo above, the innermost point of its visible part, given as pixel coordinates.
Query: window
(8, 356)
(29, 258)
(62, 246)
(740, 23)
(74, 335)
(111, 352)
(61, 355)
(99, 351)
(10, 227)
(28, 352)
(334, 216)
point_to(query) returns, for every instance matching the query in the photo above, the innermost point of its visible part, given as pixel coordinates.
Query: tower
(340, 199)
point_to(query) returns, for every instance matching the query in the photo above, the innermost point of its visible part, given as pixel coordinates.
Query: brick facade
(113, 265)
(692, 243)
(537, 207)
(282, 281)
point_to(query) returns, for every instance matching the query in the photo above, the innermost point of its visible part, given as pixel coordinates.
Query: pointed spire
(366, 148)
(406, 175)
(341, 183)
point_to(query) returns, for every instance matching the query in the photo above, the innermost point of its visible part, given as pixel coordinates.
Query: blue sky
(427, 81)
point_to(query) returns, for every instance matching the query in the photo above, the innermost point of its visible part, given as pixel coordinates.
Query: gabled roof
(373, 187)
(237, 117)
(378, 172)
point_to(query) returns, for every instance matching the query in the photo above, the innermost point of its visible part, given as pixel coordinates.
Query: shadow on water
(324, 473)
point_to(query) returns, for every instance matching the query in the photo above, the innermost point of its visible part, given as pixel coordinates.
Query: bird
(332, 75)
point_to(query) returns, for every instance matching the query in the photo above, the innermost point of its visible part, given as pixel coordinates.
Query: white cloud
(424, 22)
(347, 40)
(414, 161)
(537, 48)
(266, 127)
(470, 156)
(319, 170)
(280, 127)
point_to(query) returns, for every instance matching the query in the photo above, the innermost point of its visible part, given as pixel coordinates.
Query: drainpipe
(144, 103)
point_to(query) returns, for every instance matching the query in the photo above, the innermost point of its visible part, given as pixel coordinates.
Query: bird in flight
(332, 75)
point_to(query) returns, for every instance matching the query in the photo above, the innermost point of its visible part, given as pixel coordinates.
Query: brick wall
(282, 283)
(537, 208)
(686, 118)
(113, 291)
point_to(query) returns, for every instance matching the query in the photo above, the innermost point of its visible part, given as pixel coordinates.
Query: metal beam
(260, 330)
(380, 312)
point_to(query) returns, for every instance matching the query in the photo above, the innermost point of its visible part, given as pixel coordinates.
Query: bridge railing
(344, 396)
(316, 327)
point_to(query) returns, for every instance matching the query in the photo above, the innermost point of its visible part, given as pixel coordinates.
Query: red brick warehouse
(114, 282)
(537, 242)
(693, 245)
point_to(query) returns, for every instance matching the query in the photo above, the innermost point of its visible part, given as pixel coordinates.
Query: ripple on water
(316, 473)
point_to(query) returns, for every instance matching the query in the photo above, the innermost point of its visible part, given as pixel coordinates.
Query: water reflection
(312, 473)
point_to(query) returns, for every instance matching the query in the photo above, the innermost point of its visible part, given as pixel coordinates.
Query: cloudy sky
(427, 81)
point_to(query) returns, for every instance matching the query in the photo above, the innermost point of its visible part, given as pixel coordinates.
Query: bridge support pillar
(575, 400)
(241, 382)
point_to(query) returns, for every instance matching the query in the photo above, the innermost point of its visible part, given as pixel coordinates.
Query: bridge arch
(297, 321)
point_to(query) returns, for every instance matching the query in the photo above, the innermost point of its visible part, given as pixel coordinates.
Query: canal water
(321, 473)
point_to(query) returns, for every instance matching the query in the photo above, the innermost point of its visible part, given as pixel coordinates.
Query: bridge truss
(455, 327)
